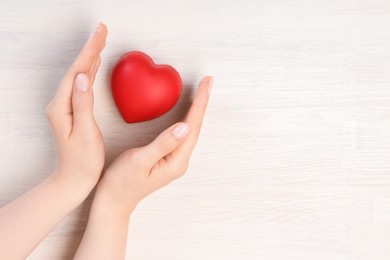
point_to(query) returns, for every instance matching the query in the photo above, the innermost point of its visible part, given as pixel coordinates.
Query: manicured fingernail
(180, 131)
(211, 84)
(81, 83)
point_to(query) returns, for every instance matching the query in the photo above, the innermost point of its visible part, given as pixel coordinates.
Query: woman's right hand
(140, 171)
(135, 174)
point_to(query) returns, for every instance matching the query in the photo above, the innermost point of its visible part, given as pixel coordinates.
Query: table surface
(294, 156)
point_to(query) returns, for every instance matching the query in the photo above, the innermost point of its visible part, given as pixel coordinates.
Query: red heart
(143, 90)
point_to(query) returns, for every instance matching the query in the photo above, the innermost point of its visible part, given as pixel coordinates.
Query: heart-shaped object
(143, 90)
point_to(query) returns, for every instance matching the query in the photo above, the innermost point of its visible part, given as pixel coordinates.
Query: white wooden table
(294, 157)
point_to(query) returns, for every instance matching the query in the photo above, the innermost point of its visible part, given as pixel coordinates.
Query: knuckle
(199, 103)
(183, 168)
(77, 101)
(180, 170)
(166, 143)
(129, 154)
(90, 57)
(93, 135)
(90, 54)
(179, 174)
(163, 144)
(49, 111)
(133, 156)
(81, 104)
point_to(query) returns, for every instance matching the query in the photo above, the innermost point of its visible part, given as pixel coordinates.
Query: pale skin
(136, 173)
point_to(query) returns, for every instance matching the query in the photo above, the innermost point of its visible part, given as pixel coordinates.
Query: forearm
(106, 234)
(26, 221)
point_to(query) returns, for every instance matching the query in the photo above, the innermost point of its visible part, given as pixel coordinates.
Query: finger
(89, 74)
(83, 63)
(194, 119)
(92, 49)
(82, 103)
(165, 143)
(94, 69)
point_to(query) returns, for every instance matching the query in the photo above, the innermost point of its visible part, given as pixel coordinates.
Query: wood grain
(294, 157)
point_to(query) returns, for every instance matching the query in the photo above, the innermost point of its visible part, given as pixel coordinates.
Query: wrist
(79, 174)
(109, 199)
(78, 188)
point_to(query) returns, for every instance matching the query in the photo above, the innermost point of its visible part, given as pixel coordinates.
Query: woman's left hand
(79, 143)
(25, 221)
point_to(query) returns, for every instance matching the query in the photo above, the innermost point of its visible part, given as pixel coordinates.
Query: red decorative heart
(143, 90)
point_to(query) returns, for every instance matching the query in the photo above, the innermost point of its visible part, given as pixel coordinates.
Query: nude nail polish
(81, 82)
(180, 131)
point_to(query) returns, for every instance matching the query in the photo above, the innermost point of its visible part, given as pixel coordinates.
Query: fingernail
(180, 131)
(211, 85)
(81, 83)
(97, 29)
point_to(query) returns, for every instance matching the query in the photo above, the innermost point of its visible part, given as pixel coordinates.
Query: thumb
(166, 142)
(82, 102)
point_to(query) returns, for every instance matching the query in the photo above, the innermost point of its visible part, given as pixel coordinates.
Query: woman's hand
(140, 171)
(25, 221)
(135, 174)
(79, 143)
